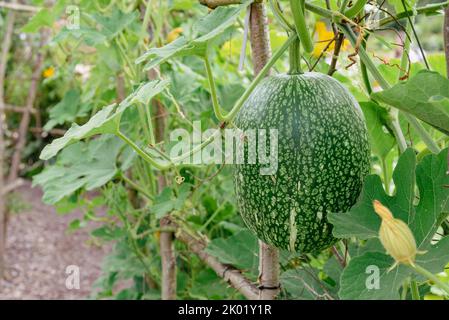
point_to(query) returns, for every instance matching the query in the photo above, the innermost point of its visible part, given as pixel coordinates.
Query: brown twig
(25, 121)
(12, 186)
(3, 61)
(229, 274)
(52, 132)
(337, 48)
(18, 7)
(167, 250)
(11, 108)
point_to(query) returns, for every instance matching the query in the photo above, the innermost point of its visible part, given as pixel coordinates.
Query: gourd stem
(295, 57)
(238, 105)
(298, 8)
(213, 90)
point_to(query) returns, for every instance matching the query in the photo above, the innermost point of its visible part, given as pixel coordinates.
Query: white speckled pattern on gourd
(322, 162)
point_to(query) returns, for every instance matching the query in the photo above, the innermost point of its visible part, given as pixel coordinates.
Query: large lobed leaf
(431, 178)
(205, 30)
(81, 165)
(105, 121)
(425, 95)
(239, 250)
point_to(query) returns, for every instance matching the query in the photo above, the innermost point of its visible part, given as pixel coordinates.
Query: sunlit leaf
(424, 95)
(204, 31)
(82, 165)
(105, 121)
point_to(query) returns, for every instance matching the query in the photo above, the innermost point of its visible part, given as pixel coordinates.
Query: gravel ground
(39, 250)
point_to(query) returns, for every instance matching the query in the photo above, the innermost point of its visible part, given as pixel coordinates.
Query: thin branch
(229, 274)
(338, 44)
(12, 186)
(25, 121)
(18, 7)
(52, 132)
(11, 108)
(3, 61)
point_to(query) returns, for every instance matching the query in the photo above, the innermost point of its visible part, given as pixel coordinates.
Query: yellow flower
(324, 37)
(174, 34)
(396, 236)
(49, 72)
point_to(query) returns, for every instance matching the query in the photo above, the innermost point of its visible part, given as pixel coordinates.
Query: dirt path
(39, 250)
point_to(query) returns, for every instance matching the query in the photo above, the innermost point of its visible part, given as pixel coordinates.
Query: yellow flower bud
(49, 72)
(396, 236)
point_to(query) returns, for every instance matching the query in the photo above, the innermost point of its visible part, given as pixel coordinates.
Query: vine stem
(431, 145)
(417, 11)
(429, 275)
(140, 152)
(427, 139)
(356, 8)
(414, 290)
(262, 73)
(343, 5)
(297, 7)
(213, 90)
(400, 138)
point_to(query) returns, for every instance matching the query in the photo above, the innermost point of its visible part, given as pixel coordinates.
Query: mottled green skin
(322, 160)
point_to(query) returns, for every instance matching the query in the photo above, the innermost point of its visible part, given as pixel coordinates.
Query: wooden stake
(261, 52)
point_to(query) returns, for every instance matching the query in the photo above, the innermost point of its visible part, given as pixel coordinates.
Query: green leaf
(72, 171)
(367, 277)
(91, 36)
(304, 284)
(428, 179)
(425, 95)
(163, 203)
(361, 270)
(112, 25)
(239, 250)
(105, 121)
(436, 258)
(430, 175)
(166, 201)
(44, 18)
(205, 30)
(67, 110)
(380, 140)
